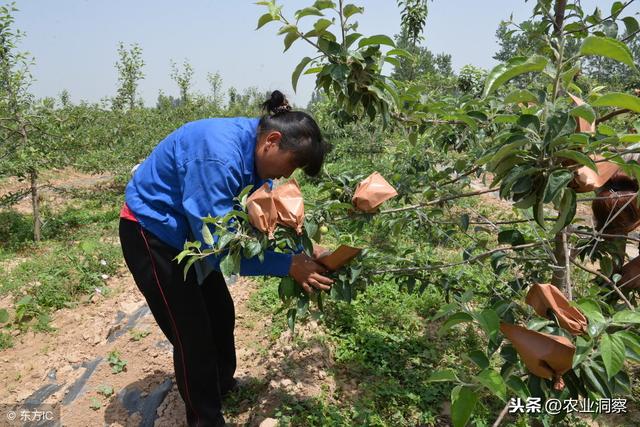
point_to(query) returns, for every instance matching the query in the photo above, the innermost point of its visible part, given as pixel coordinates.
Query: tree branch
(468, 261)
(606, 279)
(436, 201)
(611, 115)
(593, 234)
(459, 177)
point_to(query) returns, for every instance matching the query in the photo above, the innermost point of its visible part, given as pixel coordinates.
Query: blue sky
(74, 42)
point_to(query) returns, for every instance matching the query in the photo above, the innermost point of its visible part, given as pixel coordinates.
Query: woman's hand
(319, 251)
(308, 273)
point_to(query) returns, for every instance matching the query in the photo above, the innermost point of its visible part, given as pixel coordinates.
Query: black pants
(197, 319)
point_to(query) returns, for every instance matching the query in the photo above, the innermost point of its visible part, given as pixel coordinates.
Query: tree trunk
(560, 7)
(559, 273)
(35, 204)
(562, 274)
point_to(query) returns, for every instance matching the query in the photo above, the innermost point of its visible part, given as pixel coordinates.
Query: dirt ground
(52, 184)
(67, 367)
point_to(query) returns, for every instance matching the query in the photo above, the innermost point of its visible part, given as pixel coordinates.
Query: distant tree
(471, 80)
(413, 19)
(65, 98)
(511, 41)
(215, 84)
(27, 127)
(233, 96)
(184, 79)
(423, 61)
(164, 102)
(130, 73)
(316, 98)
(249, 102)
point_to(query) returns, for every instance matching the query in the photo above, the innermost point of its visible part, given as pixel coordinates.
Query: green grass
(78, 251)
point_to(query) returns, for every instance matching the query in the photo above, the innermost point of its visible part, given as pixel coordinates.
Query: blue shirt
(197, 171)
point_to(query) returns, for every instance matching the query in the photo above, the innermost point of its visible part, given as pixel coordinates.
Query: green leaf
(379, 39)
(227, 265)
(463, 401)
(567, 210)
(252, 249)
(612, 352)
(224, 240)
(513, 68)
(265, 19)
(105, 390)
(521, 95)
(568, 76)
(321, 25)
(296, 73)
(479, 358)
(443, 375)
(302, 308)
(631, 340)
(308, 11)
(464, 222)
(399, 52)
(505, 151)
(493, 381)
(584, 111)
(556, 182)
(629, 138)
(291, 318)
(591, 309)
(489, 321)
(512, 237)
(606, 265)
(578, 157)
(518, 386)
(595, 382)
(206, 235)
(287, 29)
(4, 315)
(631, 24)
(188, 265)
(287, 288)
(624, 316)
(453, 320)
(244, 193)
(607, 47)
(351, 9)
(348, 41)
(538, 212)
(289, 39)
(620, 100)
(323, 4)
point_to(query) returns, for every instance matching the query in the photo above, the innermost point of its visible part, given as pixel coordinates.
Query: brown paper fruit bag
(289, 205)
(339, 258)
(372, 192)
(617, 206)
(586, 179)
(262, 210)
(545, 297)
(545, 355)
(630, 274)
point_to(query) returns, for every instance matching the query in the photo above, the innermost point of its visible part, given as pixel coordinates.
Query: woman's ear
(272, 139)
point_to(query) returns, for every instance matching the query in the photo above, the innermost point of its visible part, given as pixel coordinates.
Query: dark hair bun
(277, 103)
